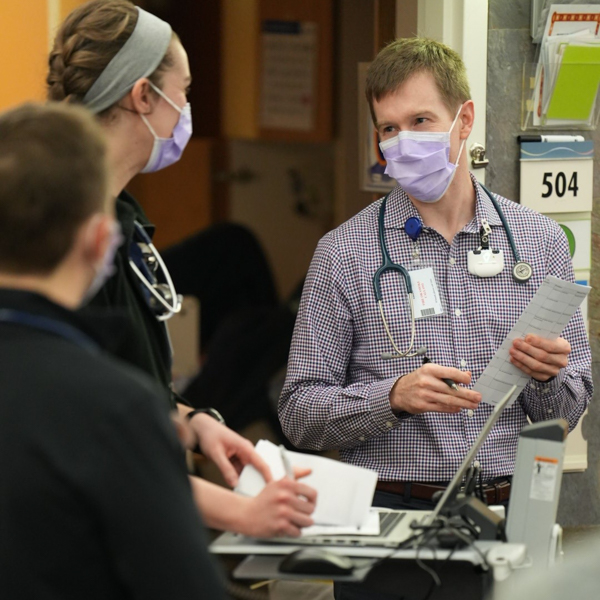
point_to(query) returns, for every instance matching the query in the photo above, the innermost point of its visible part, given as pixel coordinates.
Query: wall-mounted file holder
(562, 96)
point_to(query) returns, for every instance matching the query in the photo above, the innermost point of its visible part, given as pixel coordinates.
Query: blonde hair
(405, 57)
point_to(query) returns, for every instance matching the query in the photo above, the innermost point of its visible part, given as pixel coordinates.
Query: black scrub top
(147, 346)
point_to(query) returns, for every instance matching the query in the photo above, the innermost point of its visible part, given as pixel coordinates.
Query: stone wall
(509, 46)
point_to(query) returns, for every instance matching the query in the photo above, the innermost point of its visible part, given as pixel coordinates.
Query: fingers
(539, 357)
(292, 503)
(440, 372)
(435, 390)
(557, 346)
(227, 469)
(424, 390)
(308, 493)
(300, 472)
(261, 466)
(446, 402)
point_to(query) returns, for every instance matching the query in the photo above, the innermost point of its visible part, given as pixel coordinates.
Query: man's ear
(466, 119)
(95, 236)
(142, 97)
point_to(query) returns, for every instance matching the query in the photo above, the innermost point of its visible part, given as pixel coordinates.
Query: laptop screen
(453, 488)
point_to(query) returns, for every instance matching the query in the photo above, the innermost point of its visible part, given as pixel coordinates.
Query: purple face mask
(167, 151)
(420, 162)
(107, 267)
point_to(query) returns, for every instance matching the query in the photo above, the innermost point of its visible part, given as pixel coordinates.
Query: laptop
(395, 525)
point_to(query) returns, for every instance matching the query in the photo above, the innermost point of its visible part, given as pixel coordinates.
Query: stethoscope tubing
(388, 265)
(173, 308)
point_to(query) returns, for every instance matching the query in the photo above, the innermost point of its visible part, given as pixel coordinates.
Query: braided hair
(86, 42)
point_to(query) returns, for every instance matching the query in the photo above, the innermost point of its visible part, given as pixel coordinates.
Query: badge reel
(413, 228)
(485, 262)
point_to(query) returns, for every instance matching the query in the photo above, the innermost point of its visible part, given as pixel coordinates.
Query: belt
(494, 492)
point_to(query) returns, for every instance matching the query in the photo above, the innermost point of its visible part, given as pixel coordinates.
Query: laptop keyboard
(388, 520)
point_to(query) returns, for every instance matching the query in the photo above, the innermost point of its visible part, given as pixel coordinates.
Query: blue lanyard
(50, 325)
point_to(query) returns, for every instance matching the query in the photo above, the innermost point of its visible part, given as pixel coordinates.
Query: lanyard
(50, 325)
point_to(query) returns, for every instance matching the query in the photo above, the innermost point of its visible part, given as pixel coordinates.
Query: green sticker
(570, 238)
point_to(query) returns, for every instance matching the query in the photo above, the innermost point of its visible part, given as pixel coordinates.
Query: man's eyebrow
(416, 115)
(380, 124)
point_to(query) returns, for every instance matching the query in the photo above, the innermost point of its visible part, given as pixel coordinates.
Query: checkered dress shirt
(337, 389)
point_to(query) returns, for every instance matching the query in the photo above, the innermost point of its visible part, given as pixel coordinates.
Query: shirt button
(550, 411)
(457, 312)
(452, 261)
(389, 424)
(362, 438)
(476, 464)
(463, 363)
(470, 414)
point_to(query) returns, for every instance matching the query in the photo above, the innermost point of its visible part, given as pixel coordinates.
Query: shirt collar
(399, 208)
(105, 328)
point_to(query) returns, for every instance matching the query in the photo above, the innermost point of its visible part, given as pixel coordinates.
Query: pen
(287, 465)
(446, 380)
(550, 138)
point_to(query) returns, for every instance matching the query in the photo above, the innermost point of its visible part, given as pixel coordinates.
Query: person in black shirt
(131, 70)
(95, 502)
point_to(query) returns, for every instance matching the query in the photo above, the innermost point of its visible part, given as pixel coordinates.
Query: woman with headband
(129, 68)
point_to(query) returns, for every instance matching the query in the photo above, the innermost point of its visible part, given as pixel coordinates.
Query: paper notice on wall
(288, 82)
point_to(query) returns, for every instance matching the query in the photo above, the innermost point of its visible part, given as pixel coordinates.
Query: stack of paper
(546, 315)
(568, 71)
(344, 492)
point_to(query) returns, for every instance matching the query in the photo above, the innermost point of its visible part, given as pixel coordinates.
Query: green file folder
(576, 84)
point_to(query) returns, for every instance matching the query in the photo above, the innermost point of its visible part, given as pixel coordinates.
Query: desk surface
(232, 543)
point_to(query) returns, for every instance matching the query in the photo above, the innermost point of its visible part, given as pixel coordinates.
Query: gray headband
(139, 57)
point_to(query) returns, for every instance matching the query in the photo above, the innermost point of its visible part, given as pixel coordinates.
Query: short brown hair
(53, 176)
(88, 39)
(405, 57)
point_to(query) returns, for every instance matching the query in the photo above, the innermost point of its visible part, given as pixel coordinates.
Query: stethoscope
(522, 271)
(145, 261)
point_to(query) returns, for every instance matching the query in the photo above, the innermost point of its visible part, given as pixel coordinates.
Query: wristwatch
(212, 412)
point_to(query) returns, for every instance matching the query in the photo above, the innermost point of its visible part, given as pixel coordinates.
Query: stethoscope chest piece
(522, 272)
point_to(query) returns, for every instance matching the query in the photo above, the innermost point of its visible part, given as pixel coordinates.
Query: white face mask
(106, 269)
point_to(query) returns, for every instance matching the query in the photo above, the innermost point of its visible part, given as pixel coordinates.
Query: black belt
(494, 492)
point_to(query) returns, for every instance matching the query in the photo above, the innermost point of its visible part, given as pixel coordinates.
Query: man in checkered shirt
(398, 416)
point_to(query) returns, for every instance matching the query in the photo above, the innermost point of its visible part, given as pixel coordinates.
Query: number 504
(558, 184)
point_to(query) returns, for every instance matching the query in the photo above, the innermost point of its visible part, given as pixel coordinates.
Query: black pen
(550, 138)
(446, 380)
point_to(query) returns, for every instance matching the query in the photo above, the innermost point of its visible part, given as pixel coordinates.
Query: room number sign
(557, 177)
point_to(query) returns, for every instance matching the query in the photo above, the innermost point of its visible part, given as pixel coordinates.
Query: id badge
(427, 301)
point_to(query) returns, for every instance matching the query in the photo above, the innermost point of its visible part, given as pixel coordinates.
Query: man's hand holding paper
(540, 357)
